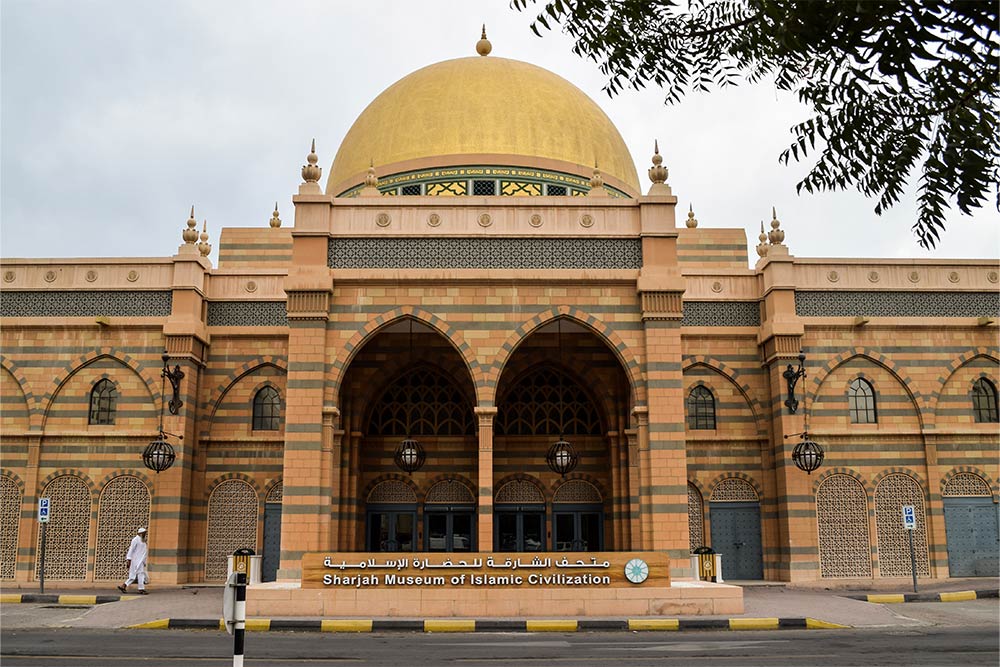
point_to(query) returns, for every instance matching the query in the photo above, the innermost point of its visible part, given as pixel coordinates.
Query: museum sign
(616, 569)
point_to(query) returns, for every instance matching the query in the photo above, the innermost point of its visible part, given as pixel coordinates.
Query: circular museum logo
(636, 570)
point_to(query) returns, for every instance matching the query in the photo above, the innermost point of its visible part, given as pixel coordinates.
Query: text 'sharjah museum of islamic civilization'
(474, 343)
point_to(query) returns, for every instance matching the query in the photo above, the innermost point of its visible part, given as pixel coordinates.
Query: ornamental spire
(310, 172)
(762, 246)
(776, 236)
(692, 221)
(204, 248)
(190, 235)
(371, 183)
(597, 188)
(658, 173)
(483, 46)
(275, 221)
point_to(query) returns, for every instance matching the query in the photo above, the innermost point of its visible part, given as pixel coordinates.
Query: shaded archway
(406, 381)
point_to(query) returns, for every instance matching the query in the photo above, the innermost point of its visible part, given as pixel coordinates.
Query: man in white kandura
(135, 559)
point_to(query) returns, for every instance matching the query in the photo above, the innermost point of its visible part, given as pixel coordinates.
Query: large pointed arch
(375, 325)
(918, 401)
(630, 365)
(31, 403)
(733, 375)
(81, 363)
(964, 359)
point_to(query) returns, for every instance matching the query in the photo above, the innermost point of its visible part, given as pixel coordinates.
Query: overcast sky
(118, 115)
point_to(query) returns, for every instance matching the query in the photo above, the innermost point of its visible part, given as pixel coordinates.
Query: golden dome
(480, 110)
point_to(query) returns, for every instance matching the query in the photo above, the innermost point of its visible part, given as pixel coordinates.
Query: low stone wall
(682, 598)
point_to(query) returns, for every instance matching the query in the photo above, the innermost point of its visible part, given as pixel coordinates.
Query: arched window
(422, 401)
(701, 409)
(984, 401)
(547, 401)
(103, 398)
(861, 398)
(266, 410)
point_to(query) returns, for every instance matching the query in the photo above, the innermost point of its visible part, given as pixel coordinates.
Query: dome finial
(310, 172)
(776, 236)
(692, 221)
(275, 221)
(658, 173)
(204, 248)
(762, 246)
(483, 46)
(597, 188)
(371, 182)
(190, 235)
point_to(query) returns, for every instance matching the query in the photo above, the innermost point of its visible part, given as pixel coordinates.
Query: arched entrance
(562, 383)
(407, 383)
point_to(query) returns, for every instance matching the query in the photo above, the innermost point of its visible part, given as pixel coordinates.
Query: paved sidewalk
(764, 603)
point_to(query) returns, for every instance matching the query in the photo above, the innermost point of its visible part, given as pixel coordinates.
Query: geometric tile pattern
(232, 525)
(577, 491)
(449, 491)
(966, 484)
(484, 253)
(392, 491)
(247, 314)
(734, 490)
(696, 518)
(68, 534)
(897, 304)
(518, 491)
(10, 512)
(86, 303)
(124, 507)
(842, 518)
(891, 494)
(721, 314)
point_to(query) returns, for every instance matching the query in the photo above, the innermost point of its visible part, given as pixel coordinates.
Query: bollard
(239, 618)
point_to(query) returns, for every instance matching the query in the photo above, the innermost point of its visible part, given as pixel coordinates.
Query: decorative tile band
(484, 253)
(247, 314)
(86, 303)
(721, 314)
(897, 304)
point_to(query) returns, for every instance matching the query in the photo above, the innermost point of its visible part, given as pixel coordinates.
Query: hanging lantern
(807, 455)
(159, 455)
(562, 458)
(409, 456)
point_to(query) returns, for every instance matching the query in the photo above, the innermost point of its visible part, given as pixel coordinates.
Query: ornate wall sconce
(792, 376)
(175, 376)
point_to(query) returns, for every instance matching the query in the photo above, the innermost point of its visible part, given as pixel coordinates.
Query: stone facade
(502, 315)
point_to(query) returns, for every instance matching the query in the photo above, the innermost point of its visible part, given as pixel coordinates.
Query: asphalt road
(934, 645)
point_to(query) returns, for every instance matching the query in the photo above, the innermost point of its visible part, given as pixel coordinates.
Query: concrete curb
(26, 598)
(954, 596)
(494, 625)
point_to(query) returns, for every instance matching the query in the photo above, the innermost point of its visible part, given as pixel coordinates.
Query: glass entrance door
(391, 530)
(448, 530)
(578, 529)
(519, 530)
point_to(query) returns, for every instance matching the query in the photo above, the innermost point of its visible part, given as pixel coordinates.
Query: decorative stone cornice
(662, 305)
(779, 347)
(308, 304)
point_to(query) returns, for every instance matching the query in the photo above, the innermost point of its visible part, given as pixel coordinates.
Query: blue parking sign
(44, 506)
(909, 517)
